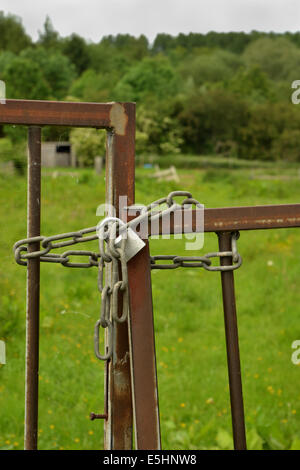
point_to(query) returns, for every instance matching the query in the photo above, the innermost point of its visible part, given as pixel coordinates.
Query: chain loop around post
(112, 235)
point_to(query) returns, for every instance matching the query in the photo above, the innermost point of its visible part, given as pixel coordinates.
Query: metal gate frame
(119, 121)
(132, 370)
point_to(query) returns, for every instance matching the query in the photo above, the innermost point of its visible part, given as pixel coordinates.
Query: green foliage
(217, 93)
(76, 49)
(25, 79)
(49, 38)
(13, 37)
(36, 74)
(277, 57)
(58, 71)
(153, 77)
(191, 353)
(92, 86)
(13, 152)
(10, 323)
(156, 133)
(212, 66)
(210, 118)
(268, 129)
(88, 143)
(6, 149)
(286, 146)
(225, 442)
(252, 84)
(133, 48)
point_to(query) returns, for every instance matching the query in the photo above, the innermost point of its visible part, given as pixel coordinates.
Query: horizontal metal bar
(60, 113)
(233, 218)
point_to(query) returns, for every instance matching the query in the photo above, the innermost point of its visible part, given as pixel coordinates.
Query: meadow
(189, 325)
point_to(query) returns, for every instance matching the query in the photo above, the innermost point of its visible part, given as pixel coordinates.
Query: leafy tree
(210, 66)
(92, 86)
(279, 58)
(163, 43)
(252, 84)
(49, 38)
(25, 80)
(286, 146)
(151, 77)
(57, 70)
(36, 74)
(156, 132)
(88, 143)
(267, 129)
(210, 118)
(134, 48)
(6, 58)
(106, 60)
(76, 49)
(12, 34)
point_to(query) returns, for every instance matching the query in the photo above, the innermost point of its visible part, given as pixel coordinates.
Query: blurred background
(214, 109)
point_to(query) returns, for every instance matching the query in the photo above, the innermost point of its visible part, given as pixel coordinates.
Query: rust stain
(118, 118)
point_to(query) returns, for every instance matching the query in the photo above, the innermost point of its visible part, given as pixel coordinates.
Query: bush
(6, 149)
(286, 147)
(157, 133)
(88, 143)
(15, 153)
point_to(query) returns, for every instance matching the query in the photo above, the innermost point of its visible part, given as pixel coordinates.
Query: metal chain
(117, 288)
(200, 261)
(72, 238)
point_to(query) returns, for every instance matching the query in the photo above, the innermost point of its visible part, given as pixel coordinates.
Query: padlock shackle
(101, 233)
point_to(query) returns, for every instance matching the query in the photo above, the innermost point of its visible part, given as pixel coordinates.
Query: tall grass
(191, 356)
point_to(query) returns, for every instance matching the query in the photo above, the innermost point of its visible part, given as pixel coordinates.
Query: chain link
(200, 261)
(116, 292)
(48, 243)
(114, 295)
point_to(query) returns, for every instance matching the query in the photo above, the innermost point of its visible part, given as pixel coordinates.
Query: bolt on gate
(131, 394)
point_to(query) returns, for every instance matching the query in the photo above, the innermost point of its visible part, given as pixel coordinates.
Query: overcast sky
(93, 19)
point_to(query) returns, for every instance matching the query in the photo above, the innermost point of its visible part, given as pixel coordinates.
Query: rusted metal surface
(137, 338)
(104, 415)
(236, 218)
(33, 290)
(143, 357)
(120, 172)
(119, 120)
(232, 345)
(94, 416)
(59, 113)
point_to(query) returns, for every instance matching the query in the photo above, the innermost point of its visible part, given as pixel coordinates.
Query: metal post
(33, 289)
(120, 168)
(143, 357)
(232, 345)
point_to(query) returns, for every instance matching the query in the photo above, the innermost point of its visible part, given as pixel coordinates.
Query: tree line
(215, 93)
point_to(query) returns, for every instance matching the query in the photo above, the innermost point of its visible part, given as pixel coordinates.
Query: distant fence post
(98, 164)
(2, 92)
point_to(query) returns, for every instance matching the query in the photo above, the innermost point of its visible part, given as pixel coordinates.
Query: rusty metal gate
(131, 378)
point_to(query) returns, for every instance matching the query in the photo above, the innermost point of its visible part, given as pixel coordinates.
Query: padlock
(133, 244)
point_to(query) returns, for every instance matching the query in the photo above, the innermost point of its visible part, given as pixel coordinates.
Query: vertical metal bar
(232, 345)
(33, 289)
(120, 169)
(143, 358)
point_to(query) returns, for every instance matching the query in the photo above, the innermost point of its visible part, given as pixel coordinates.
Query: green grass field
(191, 357)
